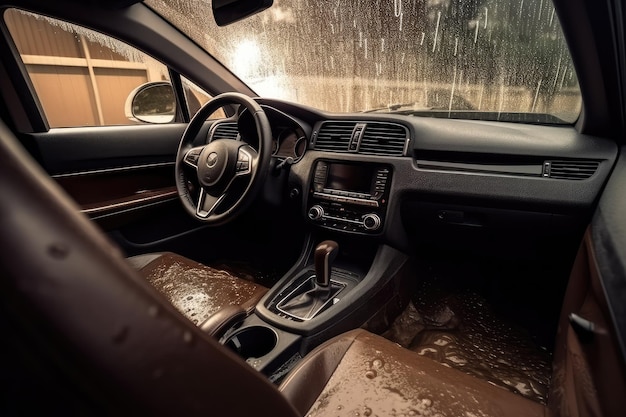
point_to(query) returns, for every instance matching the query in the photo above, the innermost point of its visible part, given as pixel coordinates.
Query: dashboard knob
(371, 221)
(316, 212)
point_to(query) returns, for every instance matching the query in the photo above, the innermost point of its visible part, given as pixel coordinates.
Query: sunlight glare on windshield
(246, 58)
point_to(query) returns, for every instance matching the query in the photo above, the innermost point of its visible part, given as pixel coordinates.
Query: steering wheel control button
(243, 162)
(193, 156)
(243, 167)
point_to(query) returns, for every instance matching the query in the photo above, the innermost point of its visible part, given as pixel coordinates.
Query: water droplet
(367, 412)
(190, 297)
(378, 363)
(371, 374)
(153, 311)
(340, 407)
(426, 402)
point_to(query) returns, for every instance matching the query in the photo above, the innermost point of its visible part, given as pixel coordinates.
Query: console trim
(333, 299)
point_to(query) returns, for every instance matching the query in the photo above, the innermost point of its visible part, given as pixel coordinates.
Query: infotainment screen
(345, 177)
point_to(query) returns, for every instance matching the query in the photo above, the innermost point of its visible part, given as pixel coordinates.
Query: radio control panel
(349, 197)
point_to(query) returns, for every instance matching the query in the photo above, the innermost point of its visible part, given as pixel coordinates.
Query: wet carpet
(460, 330)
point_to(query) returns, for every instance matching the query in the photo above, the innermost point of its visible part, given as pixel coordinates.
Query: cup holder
(252, 342)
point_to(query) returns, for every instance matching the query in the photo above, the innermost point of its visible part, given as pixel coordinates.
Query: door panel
(589, 376)
(123, 178)
(609, 244)
(589, 369)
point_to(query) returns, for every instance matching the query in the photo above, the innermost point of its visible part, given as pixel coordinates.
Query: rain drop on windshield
(482, 56)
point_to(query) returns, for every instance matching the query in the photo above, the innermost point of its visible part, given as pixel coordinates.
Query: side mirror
(226, 12)
(151, 103)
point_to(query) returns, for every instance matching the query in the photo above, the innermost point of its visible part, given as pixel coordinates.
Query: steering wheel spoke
(192, 156)
(207, 204)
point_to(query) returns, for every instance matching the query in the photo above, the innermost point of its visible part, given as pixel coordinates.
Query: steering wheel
(220, 163)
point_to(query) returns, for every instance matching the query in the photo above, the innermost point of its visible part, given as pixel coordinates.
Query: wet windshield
(486, 59)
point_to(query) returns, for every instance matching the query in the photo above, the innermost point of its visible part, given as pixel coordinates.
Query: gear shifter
(325, 254)
(313, 295)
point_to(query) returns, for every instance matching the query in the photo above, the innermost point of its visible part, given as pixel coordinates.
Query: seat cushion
(196, 290)
(359, 373)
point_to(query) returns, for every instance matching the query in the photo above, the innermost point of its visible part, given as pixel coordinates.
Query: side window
(81, 77)
(197, 97)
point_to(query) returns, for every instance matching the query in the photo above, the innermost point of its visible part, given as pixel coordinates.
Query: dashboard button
(371, 221)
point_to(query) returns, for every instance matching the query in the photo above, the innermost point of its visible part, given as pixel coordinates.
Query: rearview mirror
(151, 103)
(226, 12)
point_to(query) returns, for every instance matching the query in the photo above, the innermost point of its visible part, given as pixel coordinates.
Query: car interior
(229, 253)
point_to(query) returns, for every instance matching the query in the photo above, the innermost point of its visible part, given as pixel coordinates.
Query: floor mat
(461, 331)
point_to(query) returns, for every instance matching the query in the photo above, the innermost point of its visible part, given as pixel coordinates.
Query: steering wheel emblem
(211, 160)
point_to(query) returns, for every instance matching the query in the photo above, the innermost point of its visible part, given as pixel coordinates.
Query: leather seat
(196, 290)
(359, 373)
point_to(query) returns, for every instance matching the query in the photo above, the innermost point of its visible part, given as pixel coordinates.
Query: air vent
(334, 136)
(570, 170)
(224, 131)
(384, 139)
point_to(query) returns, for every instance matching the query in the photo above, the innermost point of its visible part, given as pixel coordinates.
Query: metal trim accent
(343, 199)
(114, 170)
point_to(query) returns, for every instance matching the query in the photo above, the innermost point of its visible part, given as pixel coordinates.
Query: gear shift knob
(325, 254)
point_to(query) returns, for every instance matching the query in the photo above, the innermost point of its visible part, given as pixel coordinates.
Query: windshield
(487, 59)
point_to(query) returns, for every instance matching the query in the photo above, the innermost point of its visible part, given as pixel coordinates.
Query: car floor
(457, 326)
(265, 275)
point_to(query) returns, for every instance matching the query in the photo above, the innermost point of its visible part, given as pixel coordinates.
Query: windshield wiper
(391, 108)
(533, 118)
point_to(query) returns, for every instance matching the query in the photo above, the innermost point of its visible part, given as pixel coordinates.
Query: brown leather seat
(359, 373)
(196, 290)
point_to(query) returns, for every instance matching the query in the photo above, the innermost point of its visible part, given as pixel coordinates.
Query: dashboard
(289, 135)
(398, 177)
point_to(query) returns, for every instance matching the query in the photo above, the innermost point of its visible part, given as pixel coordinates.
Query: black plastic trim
(512, 139)
(68, 150)
(386, 266)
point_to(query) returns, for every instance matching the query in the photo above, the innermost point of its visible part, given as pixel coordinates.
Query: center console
(349, 197)
(340, 282)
